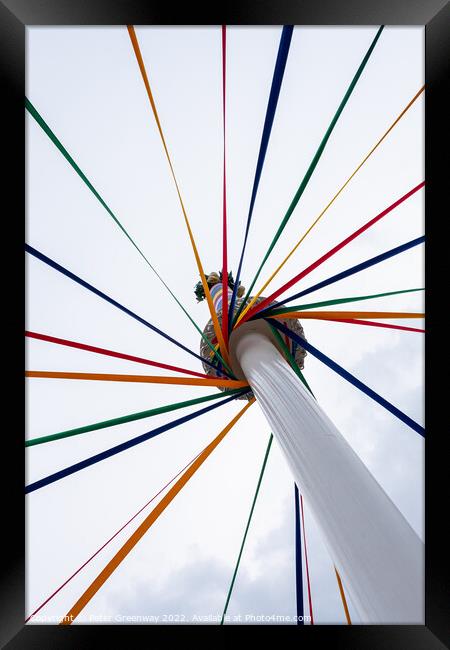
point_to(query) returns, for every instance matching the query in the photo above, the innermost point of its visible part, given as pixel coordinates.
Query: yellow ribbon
(144, 379)
(253, 300)
(212, 311)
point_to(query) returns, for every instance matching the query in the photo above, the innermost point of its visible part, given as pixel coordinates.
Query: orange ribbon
(212, 311)
(148, 521)
(398, 118)
(145, 379)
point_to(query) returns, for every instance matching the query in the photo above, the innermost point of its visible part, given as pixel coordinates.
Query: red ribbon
(264, 303)
(111, 353)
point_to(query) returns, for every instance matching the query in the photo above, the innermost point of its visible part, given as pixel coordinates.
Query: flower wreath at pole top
(212, 279)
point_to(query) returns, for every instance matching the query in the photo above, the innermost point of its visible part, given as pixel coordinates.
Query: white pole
(377, 553)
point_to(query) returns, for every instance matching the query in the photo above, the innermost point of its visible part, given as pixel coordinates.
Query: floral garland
(212, 279)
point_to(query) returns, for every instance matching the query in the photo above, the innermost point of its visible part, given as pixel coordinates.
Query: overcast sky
(86, 84)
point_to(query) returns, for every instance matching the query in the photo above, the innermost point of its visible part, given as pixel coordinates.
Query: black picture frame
(15, 15)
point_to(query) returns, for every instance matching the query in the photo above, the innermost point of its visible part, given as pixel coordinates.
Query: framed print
(206, 443)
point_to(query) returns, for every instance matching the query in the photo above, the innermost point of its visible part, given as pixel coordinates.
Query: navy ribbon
(125, 445)
(298, 560)
(280, 64)
(348, 376)
(345, 274)
(86, 285)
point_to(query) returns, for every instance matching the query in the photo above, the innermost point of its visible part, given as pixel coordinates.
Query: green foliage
(200, 292)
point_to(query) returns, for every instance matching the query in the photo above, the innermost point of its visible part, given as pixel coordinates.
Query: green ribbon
(47, 130)
(261, 474)
(312, 165)
(294, 365)
(336, 301)
(299, 373)
(125, 418)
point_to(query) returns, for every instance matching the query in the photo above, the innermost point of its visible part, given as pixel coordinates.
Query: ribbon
(278, 73)
(290, 357)
(306, 563)
(354, 321)
(349, 377)
(261, 474)
(344, 600)
(224, 197)
(142, 379)
(298, 559)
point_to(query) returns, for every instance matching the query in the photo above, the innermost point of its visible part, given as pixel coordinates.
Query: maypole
(376, 553)
(375, 550)
(253, 350)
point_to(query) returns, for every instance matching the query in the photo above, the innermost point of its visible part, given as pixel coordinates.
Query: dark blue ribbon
(125, 445)
(86, 285)
(298, 560)
(344, 274)
(348, 376)
(280, 64)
